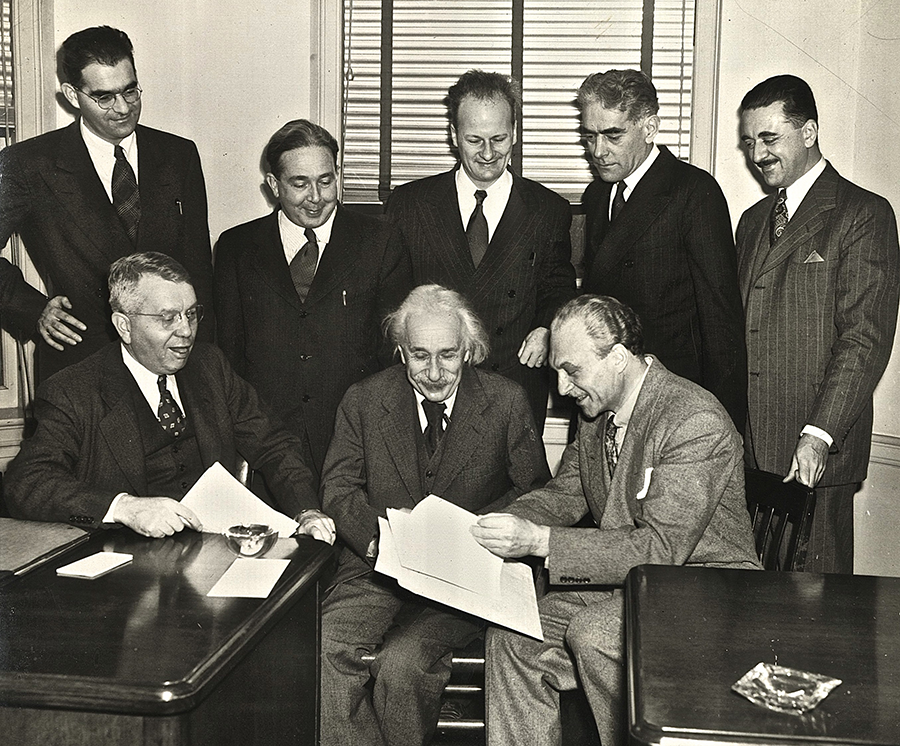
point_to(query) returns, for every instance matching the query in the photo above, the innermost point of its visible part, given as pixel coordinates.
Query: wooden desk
(142, 656)
(692, 632)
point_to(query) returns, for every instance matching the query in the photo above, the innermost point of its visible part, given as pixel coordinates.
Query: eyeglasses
(170, 320)
(108, 100)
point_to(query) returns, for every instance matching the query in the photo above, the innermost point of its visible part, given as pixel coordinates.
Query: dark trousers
(831, 538)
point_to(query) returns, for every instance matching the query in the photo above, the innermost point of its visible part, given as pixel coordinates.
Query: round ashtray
(251, 541)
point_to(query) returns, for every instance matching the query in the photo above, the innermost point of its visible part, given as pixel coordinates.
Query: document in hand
(430, 551)
(221, 501)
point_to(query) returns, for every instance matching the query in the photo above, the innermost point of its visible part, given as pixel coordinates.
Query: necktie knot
(171, 419)
(434, 413)
(311, 236)
(480, 196)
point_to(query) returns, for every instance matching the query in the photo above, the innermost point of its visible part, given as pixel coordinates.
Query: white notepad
(94, 565)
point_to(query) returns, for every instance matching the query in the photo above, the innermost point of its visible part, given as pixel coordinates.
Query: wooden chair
(782, 516)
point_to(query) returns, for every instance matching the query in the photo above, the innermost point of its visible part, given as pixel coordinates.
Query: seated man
(123, 435)
(658, 465)
(437, 425)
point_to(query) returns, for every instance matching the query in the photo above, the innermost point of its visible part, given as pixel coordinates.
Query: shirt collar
(146, 380)
(500, 188)
(631, 181)
(97, 146)
(796, 192)
(623, 416)
(448, 402)
(323, 232)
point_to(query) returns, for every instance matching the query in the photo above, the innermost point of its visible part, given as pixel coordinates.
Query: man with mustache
(820, 278)
(499, 239)
(436, 424)
(85, 195)
(658, 238)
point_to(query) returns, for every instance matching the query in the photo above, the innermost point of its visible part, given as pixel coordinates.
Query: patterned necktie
(170, 417)
(126, 197)
(618, 200)
(434, 413)
(477, 229)
(779, 216)
(609, 445)
(303, 265)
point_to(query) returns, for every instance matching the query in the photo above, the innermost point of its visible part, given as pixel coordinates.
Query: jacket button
(498, 331)
(495, 367)
(306, 398)
(429, 473)
(512, 293)
(629, 263)
(184, 485)
(303, 314)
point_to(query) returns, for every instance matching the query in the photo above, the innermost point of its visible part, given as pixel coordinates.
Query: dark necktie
(170, 417)
(618, 200)
(779, 216)
(303, 265)
(477, 229)
(126, 198)
(609, 445)
(434, 413)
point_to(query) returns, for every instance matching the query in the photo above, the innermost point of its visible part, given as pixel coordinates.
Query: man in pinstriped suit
(818, 263)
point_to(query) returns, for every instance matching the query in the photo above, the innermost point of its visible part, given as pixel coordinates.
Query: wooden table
(692, 632)
(143, 656)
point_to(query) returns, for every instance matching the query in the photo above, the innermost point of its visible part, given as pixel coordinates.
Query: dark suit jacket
(525, 276)
(821, 312)
(51, 196)
(491, 454)
(87, 447)
(676, 496)
(302, 356)
(670, 256)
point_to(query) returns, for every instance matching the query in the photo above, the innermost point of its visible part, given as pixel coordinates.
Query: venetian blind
(7, 112)
(400, 56)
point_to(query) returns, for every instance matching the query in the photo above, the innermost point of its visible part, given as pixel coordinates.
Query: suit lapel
(399, 416)
(338, 257)
(119, 426)
(466, 432)
(78, 188)
(200, 412)
(752, 257)
(511, 238)
(451, 246)
(156, 190)
(270, 263)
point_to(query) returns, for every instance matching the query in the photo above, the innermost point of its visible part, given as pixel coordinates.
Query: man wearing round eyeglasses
(123, 435)
(82, 196)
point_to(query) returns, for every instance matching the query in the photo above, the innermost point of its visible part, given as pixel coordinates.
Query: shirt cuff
(819, 433)
(108, 518)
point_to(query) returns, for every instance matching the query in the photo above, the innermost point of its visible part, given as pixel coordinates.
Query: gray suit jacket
(88, 448)
(676, 497)
(491, 454)
(821, 310)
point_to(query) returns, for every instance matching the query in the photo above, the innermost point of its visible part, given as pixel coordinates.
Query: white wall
(849, 52)
(223, 73)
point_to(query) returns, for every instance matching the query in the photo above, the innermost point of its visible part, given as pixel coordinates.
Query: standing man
(300, 293)
(657, 464)
(820, 278)
(500, 240)
(434, 425)
(658, 238)
(85, 195)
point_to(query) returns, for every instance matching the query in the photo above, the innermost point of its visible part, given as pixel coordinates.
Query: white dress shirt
(103, 156)
(494, 204)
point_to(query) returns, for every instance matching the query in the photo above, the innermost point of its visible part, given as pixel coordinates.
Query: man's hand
(508, 536)
(808, 461)
(55, 324)
(533, 351)
(155, 516)
(316, 524)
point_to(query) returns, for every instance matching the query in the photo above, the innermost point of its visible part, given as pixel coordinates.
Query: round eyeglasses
(169, 320)
(108, 100)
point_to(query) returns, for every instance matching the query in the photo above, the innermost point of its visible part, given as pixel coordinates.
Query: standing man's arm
(709, 247)
(865, 317)
(229, 311)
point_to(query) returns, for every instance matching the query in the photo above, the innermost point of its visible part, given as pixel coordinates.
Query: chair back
(782, 515)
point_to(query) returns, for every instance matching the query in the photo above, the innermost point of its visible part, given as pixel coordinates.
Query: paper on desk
(249, 578)
(94, 565)
(221, 501)
(514, 605)
(434, 539)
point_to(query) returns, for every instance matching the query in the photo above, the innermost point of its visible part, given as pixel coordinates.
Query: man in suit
(657, 465)
(123, 435)
(300, 293)
(500, 240)
(434, 425)
(85, 195)
(819, 270)
(658, 238)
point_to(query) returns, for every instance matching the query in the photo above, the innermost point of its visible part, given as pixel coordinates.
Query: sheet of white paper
(249, 578)
(94, 565)
(434, 539)
(221, 501)
(514, 605)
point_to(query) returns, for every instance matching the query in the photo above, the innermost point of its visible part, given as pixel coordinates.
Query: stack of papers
(430, 551)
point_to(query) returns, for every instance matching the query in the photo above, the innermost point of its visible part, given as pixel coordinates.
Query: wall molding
(885, 450)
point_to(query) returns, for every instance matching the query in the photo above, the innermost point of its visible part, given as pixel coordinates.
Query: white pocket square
(643, 493)
(813, 258)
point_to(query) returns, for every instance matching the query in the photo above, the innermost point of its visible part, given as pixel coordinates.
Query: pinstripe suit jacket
(670, 256)
(51, 196)
(821, 309)
(523, 279)
(676, 496)
(489, 455)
